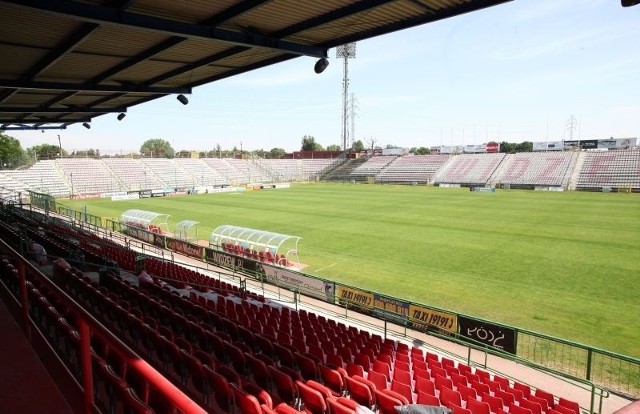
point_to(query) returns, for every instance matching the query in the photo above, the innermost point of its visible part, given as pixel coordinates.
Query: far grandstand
(606, 165)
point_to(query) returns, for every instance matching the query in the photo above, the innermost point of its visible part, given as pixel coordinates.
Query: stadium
(357, 282)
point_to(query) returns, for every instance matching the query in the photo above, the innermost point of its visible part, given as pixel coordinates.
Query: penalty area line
(331, 265)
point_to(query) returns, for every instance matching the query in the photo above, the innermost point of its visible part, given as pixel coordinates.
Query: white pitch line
(331, 265)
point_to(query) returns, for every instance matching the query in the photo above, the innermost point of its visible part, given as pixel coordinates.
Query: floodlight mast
(346, 52)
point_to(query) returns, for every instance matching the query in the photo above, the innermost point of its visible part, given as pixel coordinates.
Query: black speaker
(629, 3)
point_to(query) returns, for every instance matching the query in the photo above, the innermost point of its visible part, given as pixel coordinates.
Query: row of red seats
(260, 256)
(373, 351)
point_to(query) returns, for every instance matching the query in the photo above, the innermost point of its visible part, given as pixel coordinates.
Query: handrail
(88, 325)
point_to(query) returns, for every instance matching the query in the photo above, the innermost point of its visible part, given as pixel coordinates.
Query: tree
(157, 148)
(358, 145)
(512, 147)
(277, 153)
(334, 147)
(309, 144)
(11, 153)
(47, 151)
(421, 151)
(526, 146)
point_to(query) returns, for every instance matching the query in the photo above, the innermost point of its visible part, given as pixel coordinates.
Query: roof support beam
(233, 11)
(53, 56)
(104, 15)
(428, 17)
(60, 86)
(331, 16)
(202, 62)
(23, 127)
(79, 110)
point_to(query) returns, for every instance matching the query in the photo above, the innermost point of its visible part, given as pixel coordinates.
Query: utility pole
(354, 107)
(60, 146)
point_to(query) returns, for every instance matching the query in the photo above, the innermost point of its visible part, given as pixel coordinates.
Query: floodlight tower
(346, 52)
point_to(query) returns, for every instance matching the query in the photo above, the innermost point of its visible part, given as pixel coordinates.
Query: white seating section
(202, 173)
(372, 167)
(469, 169)
(168, 172)
(418, 168)
(132, 172)
(615, 169)
(296, 170)
(44, 177)
(86, 175)
(537, 168)
(584, 170)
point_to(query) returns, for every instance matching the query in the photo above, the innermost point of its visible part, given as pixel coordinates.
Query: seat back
(314, 402)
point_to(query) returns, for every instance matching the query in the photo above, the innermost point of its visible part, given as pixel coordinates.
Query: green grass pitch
(565, 264)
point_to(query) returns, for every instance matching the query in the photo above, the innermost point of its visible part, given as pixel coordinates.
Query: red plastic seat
(478, 407)
(360, 392)
(526, 390)
(403, 389)
(223, 393)
(547, 396)
(449, 397)
(467, 392)
(308, 367)
(459, 410)
(531, 405)
(516, 409)
(246, 403)
(382, 368)
(333, 380)
(425, 385)
(314, 402)
(335, 407)
(442, 382)
(403, 376)
(259, 371)
(543, 402)
(572, 405)
(427, 399)
(387, 401)
(285, 386)
(495, 403)
(378, 379)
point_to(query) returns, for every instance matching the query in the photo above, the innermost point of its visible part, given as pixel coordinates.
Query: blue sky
(513, 72)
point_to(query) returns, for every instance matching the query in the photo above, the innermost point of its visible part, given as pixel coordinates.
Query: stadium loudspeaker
(321, 65)
(183, 99)
(629, 3)
(86, 125)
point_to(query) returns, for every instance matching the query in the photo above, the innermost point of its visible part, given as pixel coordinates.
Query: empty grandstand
(371, 168)
(613, 170)
(469, 169)
(529, 170)
(412, 169)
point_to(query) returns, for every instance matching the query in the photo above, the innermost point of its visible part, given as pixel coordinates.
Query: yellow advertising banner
(423, 318)
(354, 297)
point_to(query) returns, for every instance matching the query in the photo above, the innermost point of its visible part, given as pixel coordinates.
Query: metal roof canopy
(142, 219)
(252, 238)
(184, 227)
(72, 61)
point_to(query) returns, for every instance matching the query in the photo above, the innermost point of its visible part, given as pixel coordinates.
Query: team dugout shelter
(259, 245)
(146, 220)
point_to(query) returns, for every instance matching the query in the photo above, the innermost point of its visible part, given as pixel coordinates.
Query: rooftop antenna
(346, 52)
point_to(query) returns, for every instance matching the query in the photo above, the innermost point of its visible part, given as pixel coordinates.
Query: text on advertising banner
(424, 318)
